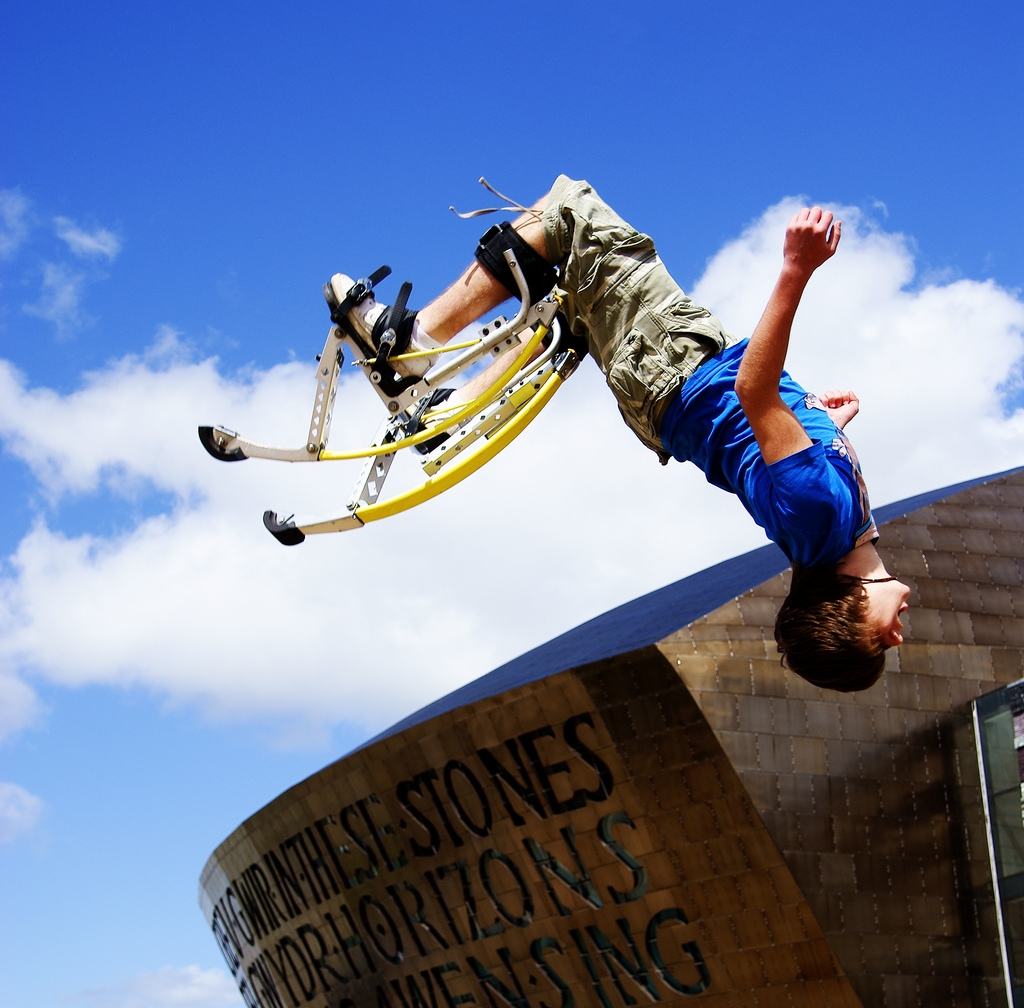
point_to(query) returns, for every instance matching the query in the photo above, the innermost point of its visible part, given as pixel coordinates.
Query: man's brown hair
(821, 631)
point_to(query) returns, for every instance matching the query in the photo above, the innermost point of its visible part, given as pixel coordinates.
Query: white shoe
(369, 317)
(364, 315)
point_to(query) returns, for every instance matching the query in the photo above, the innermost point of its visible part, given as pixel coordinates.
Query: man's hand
(809, 241)
(841, 405)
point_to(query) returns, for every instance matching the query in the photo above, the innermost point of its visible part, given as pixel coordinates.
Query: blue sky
(175, 185)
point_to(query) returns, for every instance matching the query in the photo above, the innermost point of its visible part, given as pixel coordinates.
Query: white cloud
(19, 706)
(19, 811)
(200, 604)
(59, 299)
(62, 283)
(14, 224)
(99, 243)
(169, 987)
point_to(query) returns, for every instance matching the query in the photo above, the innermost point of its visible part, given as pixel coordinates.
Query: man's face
(887, 600)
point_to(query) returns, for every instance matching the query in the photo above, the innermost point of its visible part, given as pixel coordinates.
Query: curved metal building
(649, 809)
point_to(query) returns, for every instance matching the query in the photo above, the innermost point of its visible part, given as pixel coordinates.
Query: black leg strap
(414, 425)
(568, 339)
(391, 332)
(540, 275)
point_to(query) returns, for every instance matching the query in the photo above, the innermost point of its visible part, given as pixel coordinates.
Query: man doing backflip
(691, 391)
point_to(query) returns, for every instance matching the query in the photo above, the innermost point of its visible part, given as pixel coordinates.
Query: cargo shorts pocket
(638, 371)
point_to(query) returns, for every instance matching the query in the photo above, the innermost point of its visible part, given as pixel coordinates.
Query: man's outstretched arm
(811, 239)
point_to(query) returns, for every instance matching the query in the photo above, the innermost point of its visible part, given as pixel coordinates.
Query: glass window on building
(999, 724)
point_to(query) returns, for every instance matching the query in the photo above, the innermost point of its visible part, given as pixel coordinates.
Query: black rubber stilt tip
(284, 532)
(209, 441)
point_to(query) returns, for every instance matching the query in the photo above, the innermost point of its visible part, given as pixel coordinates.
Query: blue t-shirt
(813, 504)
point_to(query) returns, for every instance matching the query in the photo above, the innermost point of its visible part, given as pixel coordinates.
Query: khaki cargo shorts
(647, 336)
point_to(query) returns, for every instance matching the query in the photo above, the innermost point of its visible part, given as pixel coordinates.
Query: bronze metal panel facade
(683, 823)
(874, 797)
(580, 840)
